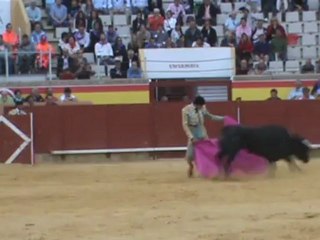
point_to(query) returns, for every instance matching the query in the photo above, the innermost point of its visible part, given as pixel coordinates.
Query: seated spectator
(82, 37)
(50, 94)
(100, 5)
(18, 110)
(177, 10)
(44, 48)
(137, 22)
(152, 43)
(37, 33)
(143, 36)
(11, 38)
(59, 14)
(282, 6)
(279, 46)
(117, 72)
(73, 11)
(26, 55)
(111, 34)
(200, 43)
(229, 40)
(192, 33)
(161, 37)
(34, 13)
(139, 6)
(176, 33)
(65, 65)
(63, 41)
(244, 68)
(187, 6)
(207, 11)
(6, 99)
(272, 29)
(51, 100)
(209, 34)
(258, 30)
(119, 49)
(243, 28)
(299, 5)
(118, 6)
(35, 96)
(3, 48)
(87, 7)
(152, 4)
(306, 94)
(296, 93)
(80, 20)
(73, 48)
(84, 71)
(127, 62)
(245, 48)
(92, 20)
(274, 95)
(18, 97)
(156, 20)
(181, 43)
(134, 71)
(103, 51)
(316, 89)
(261, 67)
(170, 44)
(308, 67)
(67, 96)
(262, 49)
(169, 23)
(232, 23)
(95, 36)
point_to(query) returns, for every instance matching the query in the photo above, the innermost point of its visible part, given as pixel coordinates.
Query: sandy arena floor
(154, 200)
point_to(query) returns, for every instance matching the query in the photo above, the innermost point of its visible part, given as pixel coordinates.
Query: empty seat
(89, 57)
(313, 5)
(294, 27)
(276, 66)
(120, 20)
(310, 27)
(219, 30)
(221, 19)
(226, 7)
(60, 30)
(308, 40)
(309, 52)
(123, 30)
(294, 53)
(106, 20)
(292, 66)
(292, 17)
(309, 16)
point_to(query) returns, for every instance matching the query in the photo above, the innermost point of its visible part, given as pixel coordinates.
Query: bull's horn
(307, 142)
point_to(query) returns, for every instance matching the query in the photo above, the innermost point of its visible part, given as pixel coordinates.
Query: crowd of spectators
(179, 25)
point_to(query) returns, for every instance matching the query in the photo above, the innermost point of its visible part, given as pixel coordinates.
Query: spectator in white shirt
(34, 13)
(104, 52)
(306, 94)
(169, 23)
(73, 47)
(232, 23)
(200, 43)
(82, 37)
(296, 93)
(67, 96)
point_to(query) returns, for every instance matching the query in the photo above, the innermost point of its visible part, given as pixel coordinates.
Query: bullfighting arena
(151, 200)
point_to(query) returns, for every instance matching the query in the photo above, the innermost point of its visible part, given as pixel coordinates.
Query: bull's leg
(293, 167)
(272, 169)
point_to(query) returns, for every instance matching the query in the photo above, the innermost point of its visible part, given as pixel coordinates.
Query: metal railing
(12, 61)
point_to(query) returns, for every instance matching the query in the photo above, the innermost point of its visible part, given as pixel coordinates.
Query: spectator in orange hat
(43, 49)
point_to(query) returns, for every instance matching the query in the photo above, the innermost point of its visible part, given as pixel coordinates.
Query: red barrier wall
(156, 125)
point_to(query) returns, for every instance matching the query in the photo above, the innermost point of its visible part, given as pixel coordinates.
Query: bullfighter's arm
(185, 124)
(212, 116)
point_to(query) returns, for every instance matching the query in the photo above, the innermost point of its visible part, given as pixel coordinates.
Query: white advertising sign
(5, 14)
(170, 63)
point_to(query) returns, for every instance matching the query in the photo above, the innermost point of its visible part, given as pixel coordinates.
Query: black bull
(271, 142)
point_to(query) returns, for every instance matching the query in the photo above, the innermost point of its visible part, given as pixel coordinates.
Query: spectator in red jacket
(273, 27)
(156, 20)
(245, 48)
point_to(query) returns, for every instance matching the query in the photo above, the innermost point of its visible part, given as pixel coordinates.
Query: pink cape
(210, 166)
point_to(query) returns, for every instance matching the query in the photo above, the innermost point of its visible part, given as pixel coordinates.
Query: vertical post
(6, 57)
(31, 143)
(99, 77)
(50, 65)
(238, 110)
